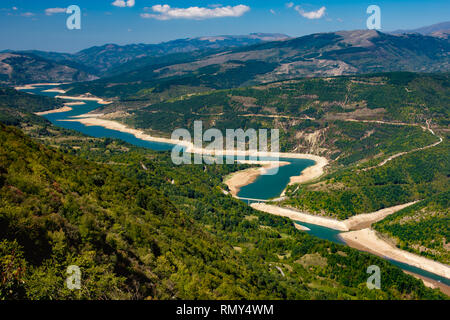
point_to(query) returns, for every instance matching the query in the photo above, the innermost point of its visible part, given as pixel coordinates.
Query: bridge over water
(259, 200)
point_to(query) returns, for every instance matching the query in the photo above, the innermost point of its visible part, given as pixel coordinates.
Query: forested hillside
(423, 228)
(345, 193)
(350, 119)
(17, 107)
(25, 68)
(315, 55)
(140, 227)
(109, 58)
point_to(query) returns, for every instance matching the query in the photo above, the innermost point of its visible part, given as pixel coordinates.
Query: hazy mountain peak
(438, 28)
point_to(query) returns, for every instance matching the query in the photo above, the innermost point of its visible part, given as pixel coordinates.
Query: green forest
(119, 224)
(141, 228)
(311, 114)
(346, 193)
(423, 228)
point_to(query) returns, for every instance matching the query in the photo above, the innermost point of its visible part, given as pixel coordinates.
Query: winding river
(264, 187)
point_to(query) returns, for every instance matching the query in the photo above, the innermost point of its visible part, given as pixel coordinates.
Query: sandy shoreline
(55, 90)
(312, 172)
(98, 100)
(90, 120)
(365, 220)
(34, 85)
(368, 240)
(300, 216)
(66, 108)
(365, 239)
(308, 174)
(76, 103)
(81, 97)
(354, 223)
(240, 179)
(301, 227)
(430, 283)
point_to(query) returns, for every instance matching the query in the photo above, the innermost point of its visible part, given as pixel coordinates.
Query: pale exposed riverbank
(85, 98)
(67, 107)
(312, 172)
(300, 216)
(365, 239)
(430, 283)
(94, 120)
(368, 240)
(63, 109)
(34, 85)
(354, 223)
(237, 180)
(365, 220)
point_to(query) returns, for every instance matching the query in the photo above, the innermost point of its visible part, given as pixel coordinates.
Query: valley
(358, 222)
(360, 178)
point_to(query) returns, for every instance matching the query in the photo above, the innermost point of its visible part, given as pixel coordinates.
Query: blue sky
(25, 24)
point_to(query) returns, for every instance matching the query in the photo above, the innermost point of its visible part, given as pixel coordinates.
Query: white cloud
(312, 14)
(289, 5)
(14, 8)
(123, 3)
(166, 12)
(27, 14)
(51, 11)
(272, 11)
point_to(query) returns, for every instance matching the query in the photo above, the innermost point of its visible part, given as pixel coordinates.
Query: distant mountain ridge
(217, 62)
(102, 58)
(428, 30)
(24, 68)
(316, 55)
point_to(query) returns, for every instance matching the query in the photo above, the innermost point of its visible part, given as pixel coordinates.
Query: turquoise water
(323, 232)
(271, 186)
(333, 236)
(264, 187)
(94, 131)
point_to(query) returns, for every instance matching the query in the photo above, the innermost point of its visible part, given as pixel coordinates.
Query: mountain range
(322, 54)
(22, 68)
(230, 61)
(438, 29)
(102, 58)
